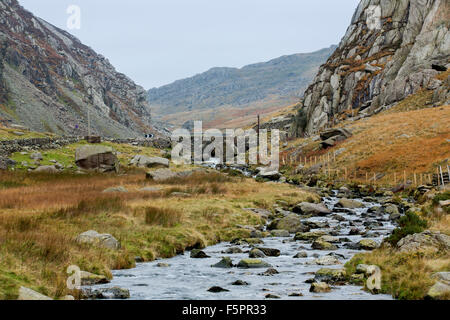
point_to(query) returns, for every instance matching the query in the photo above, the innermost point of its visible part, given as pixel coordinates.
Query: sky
(156, 42)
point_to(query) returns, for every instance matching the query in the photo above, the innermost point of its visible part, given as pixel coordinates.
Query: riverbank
(42, 214)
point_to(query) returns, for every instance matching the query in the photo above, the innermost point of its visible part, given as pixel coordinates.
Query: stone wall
(10, 146)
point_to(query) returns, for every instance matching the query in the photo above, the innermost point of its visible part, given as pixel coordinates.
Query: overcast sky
(156, 42)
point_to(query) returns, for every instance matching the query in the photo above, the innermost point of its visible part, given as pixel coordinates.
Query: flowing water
(190, 279)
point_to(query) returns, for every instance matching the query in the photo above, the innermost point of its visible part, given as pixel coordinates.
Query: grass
(408, 275)
(41, 215)
(391, 143)
(9, 134)
(66, 155)
(166, 217)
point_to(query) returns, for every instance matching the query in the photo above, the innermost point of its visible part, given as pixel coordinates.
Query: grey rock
(149, 162)
(100, 240)
(28, 294)
(307, 208)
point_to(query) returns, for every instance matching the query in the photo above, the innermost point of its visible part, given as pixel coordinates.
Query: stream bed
(185, 278)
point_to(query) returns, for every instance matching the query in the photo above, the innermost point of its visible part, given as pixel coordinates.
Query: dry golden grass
(411, 142)
(41, 215)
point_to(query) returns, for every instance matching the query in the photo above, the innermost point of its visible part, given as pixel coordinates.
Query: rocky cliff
(391, 50)
(278, 82)
(49, 80)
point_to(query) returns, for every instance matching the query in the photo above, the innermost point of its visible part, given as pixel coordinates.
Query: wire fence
(327, 165)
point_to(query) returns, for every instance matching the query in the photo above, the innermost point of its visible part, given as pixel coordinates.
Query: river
(185, 278)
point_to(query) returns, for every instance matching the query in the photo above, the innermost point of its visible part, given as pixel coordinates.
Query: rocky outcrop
(390, 51)
(49, 81)
(425, 241)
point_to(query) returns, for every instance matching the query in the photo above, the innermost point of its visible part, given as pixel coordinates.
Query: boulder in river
(269, 272)
(198, 254)
(332, 276)
(300, 255)
(105, 293)
(270, 252)
(217, 289)
(233, 250)
(253, 263)
(272, 296)
(306, 208)
(240, 283)
(100, 240)
(310, 236)
(292, 223)
(325, 261)
(319, 287)
(323, 245)
(256, 253)
(349, 204)
(225, 263)
(280, 233)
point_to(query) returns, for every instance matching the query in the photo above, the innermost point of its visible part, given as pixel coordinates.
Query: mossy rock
(329, 275)
(225, 263)
(323, 245)
(309, 236)
(253, 263)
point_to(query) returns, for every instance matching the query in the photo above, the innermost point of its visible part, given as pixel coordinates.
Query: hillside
(49, 80)
(223, 94)
(391, 49)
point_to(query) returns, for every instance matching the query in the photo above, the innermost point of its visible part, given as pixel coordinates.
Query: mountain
(221, 94)
(392, 49)
(49, 80)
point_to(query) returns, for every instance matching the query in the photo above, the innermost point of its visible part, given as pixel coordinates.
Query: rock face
(278, 81)
(387, 54)
(46, 73)
(96, 157)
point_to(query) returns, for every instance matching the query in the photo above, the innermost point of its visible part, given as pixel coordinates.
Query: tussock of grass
(165, 217)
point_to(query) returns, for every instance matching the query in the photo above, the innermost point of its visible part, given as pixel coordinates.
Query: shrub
(410, 223)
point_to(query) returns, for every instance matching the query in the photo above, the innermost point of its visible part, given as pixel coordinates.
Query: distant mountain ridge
(50, 81)
(277, 82)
